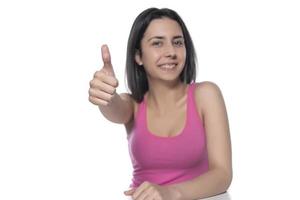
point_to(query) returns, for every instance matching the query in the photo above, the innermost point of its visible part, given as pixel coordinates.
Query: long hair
(136, 75)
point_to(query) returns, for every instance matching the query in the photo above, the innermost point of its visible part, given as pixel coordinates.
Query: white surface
(54, 144)
(224, 196)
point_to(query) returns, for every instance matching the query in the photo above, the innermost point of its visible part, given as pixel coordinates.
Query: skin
(160, 45)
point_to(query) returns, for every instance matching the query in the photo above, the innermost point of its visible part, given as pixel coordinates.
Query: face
(163, 51)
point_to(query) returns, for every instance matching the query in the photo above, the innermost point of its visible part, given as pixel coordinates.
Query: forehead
(163, 27)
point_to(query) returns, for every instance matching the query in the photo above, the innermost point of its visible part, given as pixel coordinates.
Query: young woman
(177, 129)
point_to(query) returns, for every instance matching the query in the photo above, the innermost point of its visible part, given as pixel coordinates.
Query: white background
(55, 144)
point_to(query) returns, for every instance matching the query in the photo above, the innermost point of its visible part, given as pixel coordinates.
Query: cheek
(183, 54)
(150, 57)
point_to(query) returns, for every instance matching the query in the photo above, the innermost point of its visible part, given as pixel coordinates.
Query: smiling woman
(177, 129)
(162, 41)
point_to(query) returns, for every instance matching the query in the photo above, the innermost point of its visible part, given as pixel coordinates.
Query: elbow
(227, 180)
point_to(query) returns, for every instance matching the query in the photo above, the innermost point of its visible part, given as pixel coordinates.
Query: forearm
(206, 185)
(116, 111)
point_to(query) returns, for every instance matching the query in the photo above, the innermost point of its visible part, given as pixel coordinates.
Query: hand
(151, 191)
(103, 85)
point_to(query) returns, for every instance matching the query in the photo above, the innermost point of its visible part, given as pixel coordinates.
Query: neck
(163, 97)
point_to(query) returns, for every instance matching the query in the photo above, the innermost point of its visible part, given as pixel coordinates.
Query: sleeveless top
(168, 160)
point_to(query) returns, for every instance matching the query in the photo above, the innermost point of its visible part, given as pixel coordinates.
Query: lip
(168, 64)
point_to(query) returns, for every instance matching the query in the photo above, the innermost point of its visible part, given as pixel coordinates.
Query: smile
(168, 66)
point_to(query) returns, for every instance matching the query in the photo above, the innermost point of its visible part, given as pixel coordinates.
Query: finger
(97, 101)
(129, 192)
(141, 189)
(106, 56)
(104, 76)
(151, 198)
(150, 194)
(144, 195)
(100, 94)
(100, 85)
(110, 80)
(107, 60)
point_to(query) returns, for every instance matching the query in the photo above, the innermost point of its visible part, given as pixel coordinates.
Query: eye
(156, 43)
(179, 43)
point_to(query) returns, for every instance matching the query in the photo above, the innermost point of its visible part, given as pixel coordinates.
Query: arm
(218, 178)
(119, 110)
(116, 108)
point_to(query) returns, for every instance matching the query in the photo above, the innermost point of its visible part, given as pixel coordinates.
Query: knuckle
(112, 91)
(116, 82)
(97, 74)
(91, 99)
(90, 92)
(110, 98)
(91, 83)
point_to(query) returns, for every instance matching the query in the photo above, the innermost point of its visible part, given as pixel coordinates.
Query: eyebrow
(162, 37)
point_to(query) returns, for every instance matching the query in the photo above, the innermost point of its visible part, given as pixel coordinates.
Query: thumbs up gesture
(104, 84)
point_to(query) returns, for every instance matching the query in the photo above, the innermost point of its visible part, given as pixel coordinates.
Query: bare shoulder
(207, 93)
(207, 87)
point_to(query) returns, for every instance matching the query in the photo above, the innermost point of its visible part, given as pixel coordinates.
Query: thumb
(107, 60)
(129, 192)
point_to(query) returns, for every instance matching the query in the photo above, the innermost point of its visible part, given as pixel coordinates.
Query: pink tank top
(168, 160)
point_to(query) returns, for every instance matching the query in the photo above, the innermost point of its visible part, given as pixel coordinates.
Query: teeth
(168, 66)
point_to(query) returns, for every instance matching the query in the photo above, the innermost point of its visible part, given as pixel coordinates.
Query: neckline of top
(181, 132)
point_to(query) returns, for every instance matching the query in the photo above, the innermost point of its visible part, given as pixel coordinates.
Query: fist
(104, 83)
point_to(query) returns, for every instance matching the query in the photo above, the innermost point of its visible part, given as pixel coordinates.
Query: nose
(170, 51)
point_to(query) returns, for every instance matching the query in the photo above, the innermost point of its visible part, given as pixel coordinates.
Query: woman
(177, 129)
